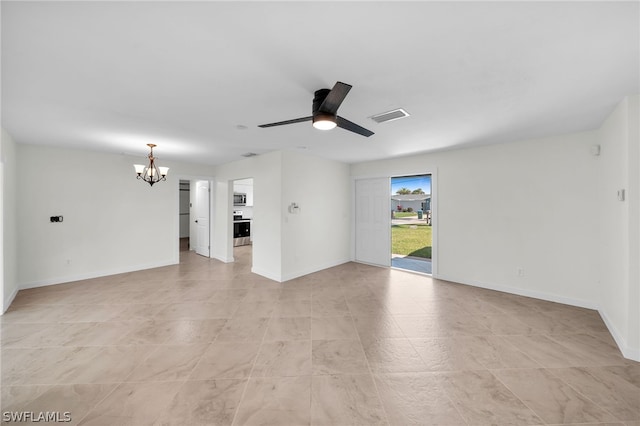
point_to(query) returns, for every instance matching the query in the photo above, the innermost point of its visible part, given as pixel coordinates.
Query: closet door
(373, 221)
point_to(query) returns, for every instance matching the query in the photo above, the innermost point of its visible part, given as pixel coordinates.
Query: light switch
(621, 195)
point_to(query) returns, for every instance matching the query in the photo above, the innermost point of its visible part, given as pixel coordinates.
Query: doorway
(411, 223)
(184, 214)
(242, 216)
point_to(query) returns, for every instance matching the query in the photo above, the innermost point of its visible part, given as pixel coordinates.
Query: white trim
(223, 259)
(627, 352)
(91, 275)
(311, 270)
(523, 292)
(371, 264)
(267, 274)
(9, 301)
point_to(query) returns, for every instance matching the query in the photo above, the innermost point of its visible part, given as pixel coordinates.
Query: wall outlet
(520, 272)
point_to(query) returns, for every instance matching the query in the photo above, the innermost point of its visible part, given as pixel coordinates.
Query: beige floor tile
(259, 294)
(550, 398)
(226, 360)
(134, 404)
(547, 352)
(243, 329)
(504, 324)
(372, 307)
(443, 325)
(292, 308)
(338, 357)
(71, 402)
(329, 307)
(547, 323)
(196, 310)
(609, 387)
(18, 335)
(71, 342)
(193, 331)
(416, 399)
(294, 328)
(291, 292)
(392, 356)
(345, 400)
(592, 349)
(15, 398)
(327, 328)
(447, 354)
(283, 359)
(45, 365)
(168, 363)
(377, 327)
(255, 309)
(495, 352)
(111, 364)
(276, 401)
(139, 311)
(203, 403)
(98, 333)
(482, 399)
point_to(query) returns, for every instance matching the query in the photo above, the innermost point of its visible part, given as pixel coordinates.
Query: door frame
(434, 209)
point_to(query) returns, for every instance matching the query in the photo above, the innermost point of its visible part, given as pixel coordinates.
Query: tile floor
(204, 343)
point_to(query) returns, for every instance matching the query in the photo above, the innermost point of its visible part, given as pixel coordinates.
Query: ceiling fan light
(324, 121)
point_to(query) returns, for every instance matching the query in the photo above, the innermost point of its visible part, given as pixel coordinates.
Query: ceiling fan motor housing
(318, 99)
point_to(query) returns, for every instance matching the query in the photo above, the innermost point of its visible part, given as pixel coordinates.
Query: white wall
(8, 222)
(619, 235)
(266, 171)
(285, 245)
(319, 235)
(549, 207)
(113, 223)
(528, 205)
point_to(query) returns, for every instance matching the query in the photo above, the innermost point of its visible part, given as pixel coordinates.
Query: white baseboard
(524, 292)
(9, 300)
(267, 274)
(223, 259)
(627, 352)
(96, 274)
(312, 269)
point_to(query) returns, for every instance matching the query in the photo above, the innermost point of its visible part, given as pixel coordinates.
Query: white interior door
(202, 218)
(373, 216)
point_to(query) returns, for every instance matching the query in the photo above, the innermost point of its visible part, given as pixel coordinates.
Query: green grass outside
(411, 240)
(405, 214)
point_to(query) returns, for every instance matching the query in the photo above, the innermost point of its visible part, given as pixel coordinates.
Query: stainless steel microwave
(239, 199)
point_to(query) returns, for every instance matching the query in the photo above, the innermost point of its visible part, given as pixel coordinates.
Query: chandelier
(151, 173)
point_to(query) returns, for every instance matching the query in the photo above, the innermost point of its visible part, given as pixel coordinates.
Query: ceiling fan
(324, 111)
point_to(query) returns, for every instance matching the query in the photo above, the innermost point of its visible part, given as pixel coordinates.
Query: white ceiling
(113, 76)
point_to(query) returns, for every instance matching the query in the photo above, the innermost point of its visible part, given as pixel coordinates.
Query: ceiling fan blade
(282, 123)
(335, 97)
(353, 127)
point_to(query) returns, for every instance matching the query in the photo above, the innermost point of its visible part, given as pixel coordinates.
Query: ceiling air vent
(249, 154)
(390, 115)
